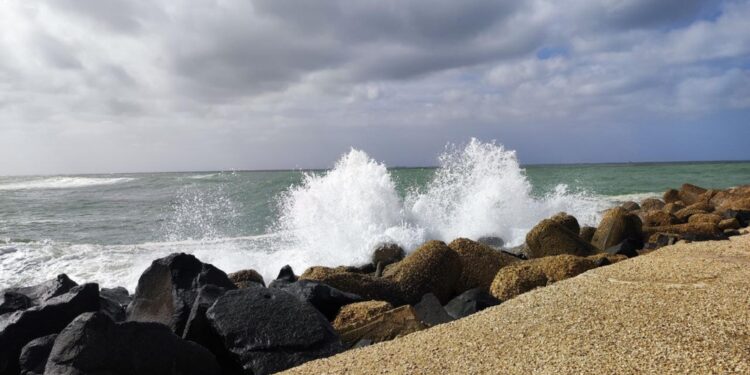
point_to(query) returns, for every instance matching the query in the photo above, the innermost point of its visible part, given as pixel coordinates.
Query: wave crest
(63, 183)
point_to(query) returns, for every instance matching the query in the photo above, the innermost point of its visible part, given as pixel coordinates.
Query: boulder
(479, 264)
(166, 290)
(522, 277)
(628, 248)
(13, 301)
(327, 299)
(742, 216)
(432, 268)
(549, 237)
(94, 344)
(652, 204)
(34, 355)
(48, 318)
(494, 242)
(199, 330)
(366, 286)
(286, 275)
(705, 231)
(246, 278)
(46, 290)
(470, 302)
(430, 312)
(684, 214)
(587, 233)
(672, 208)
(690, 194)
(705, 218)
(568, 221)
(357, 314)
(657, 218)
(114, 302)
(671, 196)
(731, 223)
(737, 204)
(269, 330)
(616, 226)
(387, 253)
(630, 206)
(386, 326)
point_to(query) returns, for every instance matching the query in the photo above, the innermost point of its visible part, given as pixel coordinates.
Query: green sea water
(107, 228)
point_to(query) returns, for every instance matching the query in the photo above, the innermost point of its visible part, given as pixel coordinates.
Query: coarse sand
(681, 309)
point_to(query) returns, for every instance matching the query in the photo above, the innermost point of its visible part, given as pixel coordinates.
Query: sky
(91, 86)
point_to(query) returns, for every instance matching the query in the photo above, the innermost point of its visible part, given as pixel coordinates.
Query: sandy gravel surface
(682, 309)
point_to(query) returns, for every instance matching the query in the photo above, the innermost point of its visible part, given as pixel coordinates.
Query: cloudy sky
(154, 85)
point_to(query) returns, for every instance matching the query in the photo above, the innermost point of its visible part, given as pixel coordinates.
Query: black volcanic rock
(13, 301)
(469, 302)
(286, 276)
(269, 330)
(48, 318)
(46, 290)
(94, 344)
(167, 289)
(327, 299)
(34, 355)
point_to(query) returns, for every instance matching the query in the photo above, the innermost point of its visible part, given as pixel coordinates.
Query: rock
(704, 231)
(479, 264)
(737, 204)
(705, 218)
(269, 330)
(94, 344)
(246, 278)
(743, 216)
(327, 299)
(119, 295)
(672, 208)
(652, 204)
(522, 277)
(616, 226)
(46, 290)
(359, 313)
(366, 286)
(12, 301)
(430, 312)
(48, 318)
(568, 221)
(630, 206)
(432, 268)
(286, 275)
(387, 253)
(684, 214)
(520, 251)
(587, 233)
(34, 355)
(166, 290)
(114, 302)
(551, 238)
(732, 223)
(690, 194)
(658, 218)
(470, 302)
(199, 330)
(671, 196)
(628, 248)
(496, 243)
(386, 326)
(658, 240)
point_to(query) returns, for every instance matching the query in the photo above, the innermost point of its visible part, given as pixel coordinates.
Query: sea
(108, 228)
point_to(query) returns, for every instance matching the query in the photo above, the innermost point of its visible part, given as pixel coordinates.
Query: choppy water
(108, 228)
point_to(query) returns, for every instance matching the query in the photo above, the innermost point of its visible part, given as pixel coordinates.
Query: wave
(63, 183)
(338, 216)
(635, 197)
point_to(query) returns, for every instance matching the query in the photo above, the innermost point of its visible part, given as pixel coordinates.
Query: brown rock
(551, 238)
(690, 194)
(631, 206)
(387, 253)
(524, 276)
(616, 226)
(706, 230)
(731, 223)
(652, 204)
(587, 233)
(386, 326)
(671, 196)
(356, 314)
(671, 208)
(658, 218)
(432, 268)
(368, 287)
(705, 218)
(245, 278)
(684, 214)
(568, 221)
(479, 264)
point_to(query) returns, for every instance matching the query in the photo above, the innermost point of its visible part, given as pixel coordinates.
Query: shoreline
(683, 308)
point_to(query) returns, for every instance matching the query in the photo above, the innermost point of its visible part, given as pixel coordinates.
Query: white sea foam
(62, 183)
